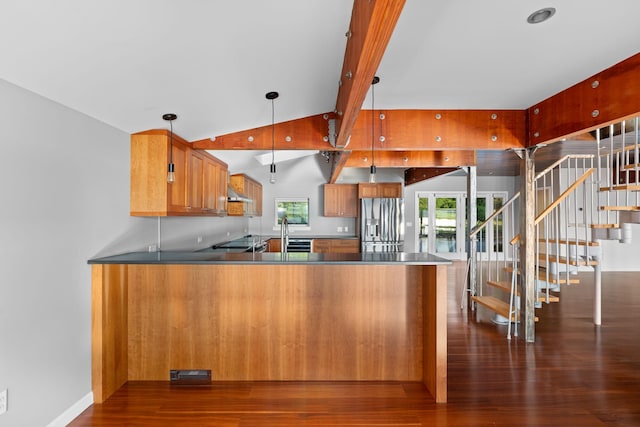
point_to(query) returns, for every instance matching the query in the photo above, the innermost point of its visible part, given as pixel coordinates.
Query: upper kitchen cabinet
(200, 186)
(250, 191)
(382, 189)
(341, 200)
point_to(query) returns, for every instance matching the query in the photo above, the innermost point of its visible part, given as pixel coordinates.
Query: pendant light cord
(171, 142)
(273, 132)
(373, 125)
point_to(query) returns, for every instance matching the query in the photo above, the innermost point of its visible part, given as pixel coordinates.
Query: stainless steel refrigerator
(382, 225)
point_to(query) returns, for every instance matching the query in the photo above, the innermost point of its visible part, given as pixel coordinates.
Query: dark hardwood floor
(575, 374)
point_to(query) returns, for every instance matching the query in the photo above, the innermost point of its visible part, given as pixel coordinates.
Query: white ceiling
(211, 62)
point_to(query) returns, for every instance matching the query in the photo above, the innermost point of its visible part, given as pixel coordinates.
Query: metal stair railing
(491, 234)
(561, 230)
(619, 169)
(561, 227)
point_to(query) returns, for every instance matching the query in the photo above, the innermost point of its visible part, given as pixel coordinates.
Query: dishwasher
(299, 245)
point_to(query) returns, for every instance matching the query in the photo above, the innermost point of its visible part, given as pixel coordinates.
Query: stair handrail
(491, 217)
(568, 156)
(563, 196)
(566, 193)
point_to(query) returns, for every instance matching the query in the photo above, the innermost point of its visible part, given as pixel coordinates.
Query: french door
(442, 223)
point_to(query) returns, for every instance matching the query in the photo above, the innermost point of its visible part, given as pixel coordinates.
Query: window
(296, 211)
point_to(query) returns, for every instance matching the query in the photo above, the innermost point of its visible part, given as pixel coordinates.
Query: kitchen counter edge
(206, 258)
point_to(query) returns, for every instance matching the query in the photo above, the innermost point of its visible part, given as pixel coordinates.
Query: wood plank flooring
(575, 374)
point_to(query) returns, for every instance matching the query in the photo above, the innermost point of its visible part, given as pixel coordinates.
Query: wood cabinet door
(345, 245)
(383, 189)
(331, 200)
(251, 188)
(367, 190)
(349, 200)
(221, 194)
(341, 200)
(178, 189)
(210, 185)
(274, 245)
(321, 245)
(390, 189)
(195, 182)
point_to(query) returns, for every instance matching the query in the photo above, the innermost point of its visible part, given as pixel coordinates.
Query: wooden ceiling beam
(339, 161)
(411, 159)
(370, 29)
(401, 130)
(604, 98)
(415, 175)
(308, 133)
(440, 130)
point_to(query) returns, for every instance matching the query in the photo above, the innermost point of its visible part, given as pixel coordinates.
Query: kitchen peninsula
(269, 316)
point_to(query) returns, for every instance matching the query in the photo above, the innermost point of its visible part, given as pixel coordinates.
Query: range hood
(234, 196)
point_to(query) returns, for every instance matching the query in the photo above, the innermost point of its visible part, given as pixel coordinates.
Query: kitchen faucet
(284, 235)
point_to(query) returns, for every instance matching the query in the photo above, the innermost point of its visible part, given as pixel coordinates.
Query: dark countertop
(210, 257)
(302, 236)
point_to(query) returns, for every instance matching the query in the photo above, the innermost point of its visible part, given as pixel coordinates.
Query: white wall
(65, 199)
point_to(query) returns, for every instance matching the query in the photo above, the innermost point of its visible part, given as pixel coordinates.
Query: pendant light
(171, 177)
(272, 169)
(372, 170)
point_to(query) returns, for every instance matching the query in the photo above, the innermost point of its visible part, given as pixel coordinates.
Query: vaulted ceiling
(211, 62)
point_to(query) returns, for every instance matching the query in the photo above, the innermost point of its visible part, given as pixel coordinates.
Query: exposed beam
(402, 130)
(409, 159)
(308, 133)
(606, 97)
(415, 175)
(339, 161)
(440, 130)
(372, 23)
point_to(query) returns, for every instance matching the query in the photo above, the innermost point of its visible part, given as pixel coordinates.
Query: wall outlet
(4, 400)
(153, 248)
(339, 229)
(346, 229)
(199, 239)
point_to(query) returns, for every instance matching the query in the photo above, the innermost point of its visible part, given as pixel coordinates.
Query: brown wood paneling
(435, 332)
(299, 134)
(415, 175)
(108, 329)
(407, 159)
(606, 97)
(440, 130)
(403, 130)
(275, 322)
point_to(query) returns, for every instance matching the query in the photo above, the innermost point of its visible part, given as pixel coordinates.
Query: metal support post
(597, 293)
(472, 215)
(527, 242)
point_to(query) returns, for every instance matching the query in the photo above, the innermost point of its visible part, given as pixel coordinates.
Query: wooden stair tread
(542, 276)
(564, 260)
(571, 242)
(620, 208)
(604, 225)
(496, 305)
(623, 187)
(506, 287)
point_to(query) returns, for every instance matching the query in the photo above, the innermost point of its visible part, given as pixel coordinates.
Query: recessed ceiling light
(541, 15)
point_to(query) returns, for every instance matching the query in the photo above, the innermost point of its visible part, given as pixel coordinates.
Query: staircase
(580, 201)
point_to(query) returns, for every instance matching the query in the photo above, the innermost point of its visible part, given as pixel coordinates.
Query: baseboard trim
(72, 413)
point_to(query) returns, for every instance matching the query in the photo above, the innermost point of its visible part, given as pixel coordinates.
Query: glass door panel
(423, 224)
(498, 226)
(446, 225)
